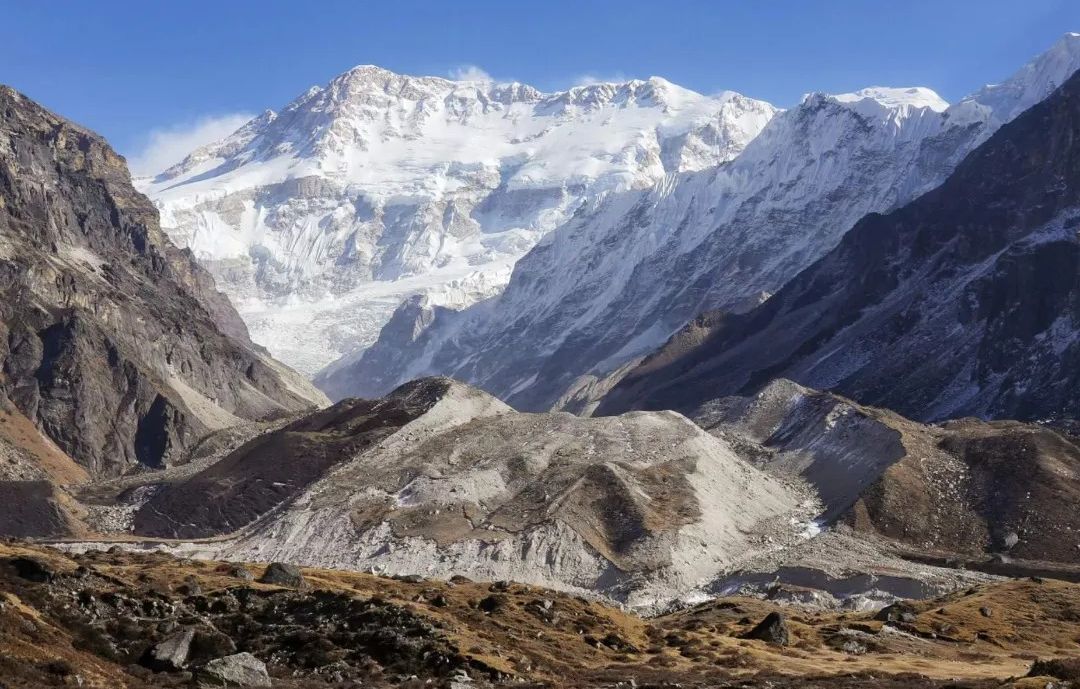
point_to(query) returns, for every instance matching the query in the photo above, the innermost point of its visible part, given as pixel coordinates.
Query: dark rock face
(112, 341)
(964, 302)
(773, 629)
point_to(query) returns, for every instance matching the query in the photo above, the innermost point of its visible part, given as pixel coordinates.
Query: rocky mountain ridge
(117, 352)
(962, 303)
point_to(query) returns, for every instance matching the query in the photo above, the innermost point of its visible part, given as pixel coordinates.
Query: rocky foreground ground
(114, 619)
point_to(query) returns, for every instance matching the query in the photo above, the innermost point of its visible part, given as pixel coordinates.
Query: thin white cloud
(166, 146)
(469, 73)
(590, 79)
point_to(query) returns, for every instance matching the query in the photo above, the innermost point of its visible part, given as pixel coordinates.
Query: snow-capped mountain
(320, 219)
(630, 268)
(965, 302)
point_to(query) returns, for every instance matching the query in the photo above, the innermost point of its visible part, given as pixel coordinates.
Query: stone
(491, 603)
(238, 670)
(773, 629)
(901, 611)
(241, 572)
(283, 574)
(190, 587)
(171, 653)
(210, 644)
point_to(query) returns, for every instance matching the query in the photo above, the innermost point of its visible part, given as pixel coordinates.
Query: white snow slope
(320, 219)
(630, 268)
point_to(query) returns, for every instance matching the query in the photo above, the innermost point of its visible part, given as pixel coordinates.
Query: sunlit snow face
(427, 186)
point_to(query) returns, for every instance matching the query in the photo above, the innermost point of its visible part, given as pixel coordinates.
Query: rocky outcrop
(964, 302)
(773, 630)
(113, 343)
(966, 489)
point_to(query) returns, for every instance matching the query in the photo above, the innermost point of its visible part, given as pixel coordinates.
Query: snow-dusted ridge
(320, 218)
(629, 269)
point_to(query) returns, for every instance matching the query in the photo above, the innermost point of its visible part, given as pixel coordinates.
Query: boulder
(31, 569)
(210, 644)
(773, 629)
(901, 611)
(282, 574)
(241, 572)
(238, 670)
(171, 653)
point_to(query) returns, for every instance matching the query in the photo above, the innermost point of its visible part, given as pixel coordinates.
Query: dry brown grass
(989, 632)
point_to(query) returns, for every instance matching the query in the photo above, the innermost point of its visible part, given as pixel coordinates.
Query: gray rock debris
(239, 670)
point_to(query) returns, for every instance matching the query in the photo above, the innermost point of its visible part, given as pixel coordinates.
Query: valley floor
(89, 620)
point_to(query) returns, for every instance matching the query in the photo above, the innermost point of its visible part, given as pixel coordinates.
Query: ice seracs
(318, 220)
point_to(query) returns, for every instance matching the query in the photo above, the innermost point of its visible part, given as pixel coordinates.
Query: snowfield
(319, 220)
(631, 268)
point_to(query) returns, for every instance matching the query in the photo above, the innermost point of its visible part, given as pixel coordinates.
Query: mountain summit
(630, 269)
(318, 220)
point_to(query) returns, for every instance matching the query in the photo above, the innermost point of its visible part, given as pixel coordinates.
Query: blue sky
(155, 75)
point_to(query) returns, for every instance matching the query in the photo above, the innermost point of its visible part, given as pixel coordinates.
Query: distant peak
(892, 98)
(368, 70)
(1000, 103)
